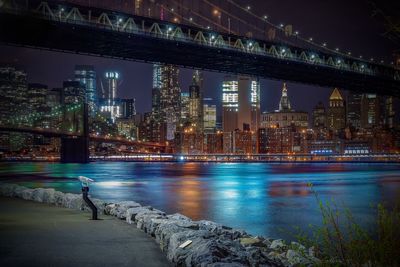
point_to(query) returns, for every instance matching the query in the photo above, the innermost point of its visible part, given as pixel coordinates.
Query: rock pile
(207, 243)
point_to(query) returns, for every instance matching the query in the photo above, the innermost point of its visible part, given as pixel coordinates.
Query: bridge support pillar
(75, 149)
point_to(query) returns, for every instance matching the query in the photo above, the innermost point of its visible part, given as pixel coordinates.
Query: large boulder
(296, 258)
(257, 256)
(72, 201)
(132, 212)
(18, 191)
(222, 230)
(119, 209)
(44, 195)
(27, 194)
(144, 219)
(166, 228)
(205, 248)
(278, 245)
(8, 190)
(59, 198)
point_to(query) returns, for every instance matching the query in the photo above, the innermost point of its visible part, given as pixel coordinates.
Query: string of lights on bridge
(217, 11)
(34, 116)
(282, 29)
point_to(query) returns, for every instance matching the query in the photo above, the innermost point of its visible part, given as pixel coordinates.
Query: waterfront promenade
(35, 234)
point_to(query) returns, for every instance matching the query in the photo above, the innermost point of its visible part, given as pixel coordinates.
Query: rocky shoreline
(184, 241)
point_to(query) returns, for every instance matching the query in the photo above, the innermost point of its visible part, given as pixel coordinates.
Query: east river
(264, 199)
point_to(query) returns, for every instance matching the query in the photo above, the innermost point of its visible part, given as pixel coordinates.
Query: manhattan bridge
(182, 33)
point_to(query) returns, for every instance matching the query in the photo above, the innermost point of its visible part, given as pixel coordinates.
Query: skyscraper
(319, 116)
(370, 111)
(128, 109)
(284, 103)
(336, 111)
(37, 96)
(87, 76)
(196, 103)
(255, 105)
(13, 104)
(166, 101)
(73, 92)
(13, 93)
(209, 117)
(185, 107)
(354, 110)
(112, 78)
(110, 104)
(240, 103)
(230, 104)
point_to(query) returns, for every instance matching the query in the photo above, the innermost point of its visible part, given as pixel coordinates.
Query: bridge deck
(147, 44)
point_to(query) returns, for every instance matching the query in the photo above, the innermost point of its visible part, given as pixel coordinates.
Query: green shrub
(341, 241)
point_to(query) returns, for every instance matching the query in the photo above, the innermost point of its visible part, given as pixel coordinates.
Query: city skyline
(270, 90)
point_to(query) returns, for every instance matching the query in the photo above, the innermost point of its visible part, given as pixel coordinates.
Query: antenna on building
(102, 90)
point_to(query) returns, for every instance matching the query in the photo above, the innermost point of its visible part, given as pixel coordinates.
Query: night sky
(344, 24)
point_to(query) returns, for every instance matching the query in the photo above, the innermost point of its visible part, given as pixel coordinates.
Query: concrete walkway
(34, 234)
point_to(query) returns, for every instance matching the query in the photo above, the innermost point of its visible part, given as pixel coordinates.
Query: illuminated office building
(336, 111)
(110, 104)
(319, 116)
(353, 110)
(285, 116)
(240, 103)
(196, 102)
(166, 102)
(87, 76)
(370, 111)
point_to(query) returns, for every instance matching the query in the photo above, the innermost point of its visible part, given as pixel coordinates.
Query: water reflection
(261, 198)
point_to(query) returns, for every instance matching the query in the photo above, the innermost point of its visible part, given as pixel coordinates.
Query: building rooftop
(336, 95)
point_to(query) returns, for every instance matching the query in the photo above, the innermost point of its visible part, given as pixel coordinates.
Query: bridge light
(337, 49)
(349, 53)
(324, 44)
(363, 66)
(62, 9)
(251, 44)
(172, 9)
(283, 50)
(311, 39)
(265, 17)
(296, 32)
(169, 29)
(190, 19)
(382, 61)
(119, 20)
(208, 27)
(312, 56)
(372, 59)
(212, 37)
(361, 56)
(248, 7)
(339, 61)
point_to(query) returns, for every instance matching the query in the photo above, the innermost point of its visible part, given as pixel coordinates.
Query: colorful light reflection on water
(260, 198)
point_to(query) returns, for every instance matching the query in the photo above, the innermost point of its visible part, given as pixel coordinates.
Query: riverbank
(38, 234)
(394, 162)
(184, 241)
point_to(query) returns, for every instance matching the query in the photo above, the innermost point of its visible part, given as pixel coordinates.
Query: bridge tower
(75, 149)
